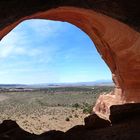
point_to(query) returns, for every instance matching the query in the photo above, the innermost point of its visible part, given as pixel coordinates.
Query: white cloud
(20, 42)
(27, 51)
(44, 28)
(9, 44)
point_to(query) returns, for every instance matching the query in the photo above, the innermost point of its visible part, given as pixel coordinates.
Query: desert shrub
(76, 105)
(70, 116)
(87, 108)
(42, 103)
(72, 110)
(67, 119)
(76, 116)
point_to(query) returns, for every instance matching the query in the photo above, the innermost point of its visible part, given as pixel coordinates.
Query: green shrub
(87, 108)
(76, 105)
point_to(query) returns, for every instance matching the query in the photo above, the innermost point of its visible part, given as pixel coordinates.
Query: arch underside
(117, 43)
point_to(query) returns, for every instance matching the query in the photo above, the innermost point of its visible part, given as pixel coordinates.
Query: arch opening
(113, 48)
(83, 48)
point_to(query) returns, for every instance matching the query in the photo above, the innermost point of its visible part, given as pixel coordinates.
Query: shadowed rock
(119, 113)
(52, 135)
(127, 128)
(95, 122)
(9, 130)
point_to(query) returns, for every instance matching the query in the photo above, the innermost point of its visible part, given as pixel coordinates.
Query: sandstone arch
(110, 24)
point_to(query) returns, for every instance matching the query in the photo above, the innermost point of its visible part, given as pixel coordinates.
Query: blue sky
(43, 51)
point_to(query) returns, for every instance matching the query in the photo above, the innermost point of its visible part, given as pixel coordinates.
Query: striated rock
(104, 102)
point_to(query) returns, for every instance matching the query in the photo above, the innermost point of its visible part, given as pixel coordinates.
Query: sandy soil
(56, 109)
(58, 118)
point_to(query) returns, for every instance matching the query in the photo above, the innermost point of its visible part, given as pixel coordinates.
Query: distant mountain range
(12, 85)
(45, 85)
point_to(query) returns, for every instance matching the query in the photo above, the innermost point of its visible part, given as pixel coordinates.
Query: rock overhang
(112, 25)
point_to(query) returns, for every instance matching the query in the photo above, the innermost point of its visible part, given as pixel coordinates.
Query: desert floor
(41, 111)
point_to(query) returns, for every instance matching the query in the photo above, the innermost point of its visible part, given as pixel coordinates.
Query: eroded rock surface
(114, 27)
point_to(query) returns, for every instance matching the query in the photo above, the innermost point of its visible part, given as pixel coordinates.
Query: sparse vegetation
(70, 102)
(76, 105)
(76, 116)
(87, 108)
(67, 119)
(70, 116)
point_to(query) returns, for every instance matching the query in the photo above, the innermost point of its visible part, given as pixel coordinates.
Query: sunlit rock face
(112, 25)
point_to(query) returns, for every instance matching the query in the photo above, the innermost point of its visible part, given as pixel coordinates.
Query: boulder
(95, 122)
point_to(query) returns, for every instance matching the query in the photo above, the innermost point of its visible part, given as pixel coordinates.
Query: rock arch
(112, 25)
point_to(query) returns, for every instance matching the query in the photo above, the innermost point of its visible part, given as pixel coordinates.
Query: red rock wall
(117, 43)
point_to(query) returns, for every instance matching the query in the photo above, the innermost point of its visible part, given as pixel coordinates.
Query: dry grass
(40, 111)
